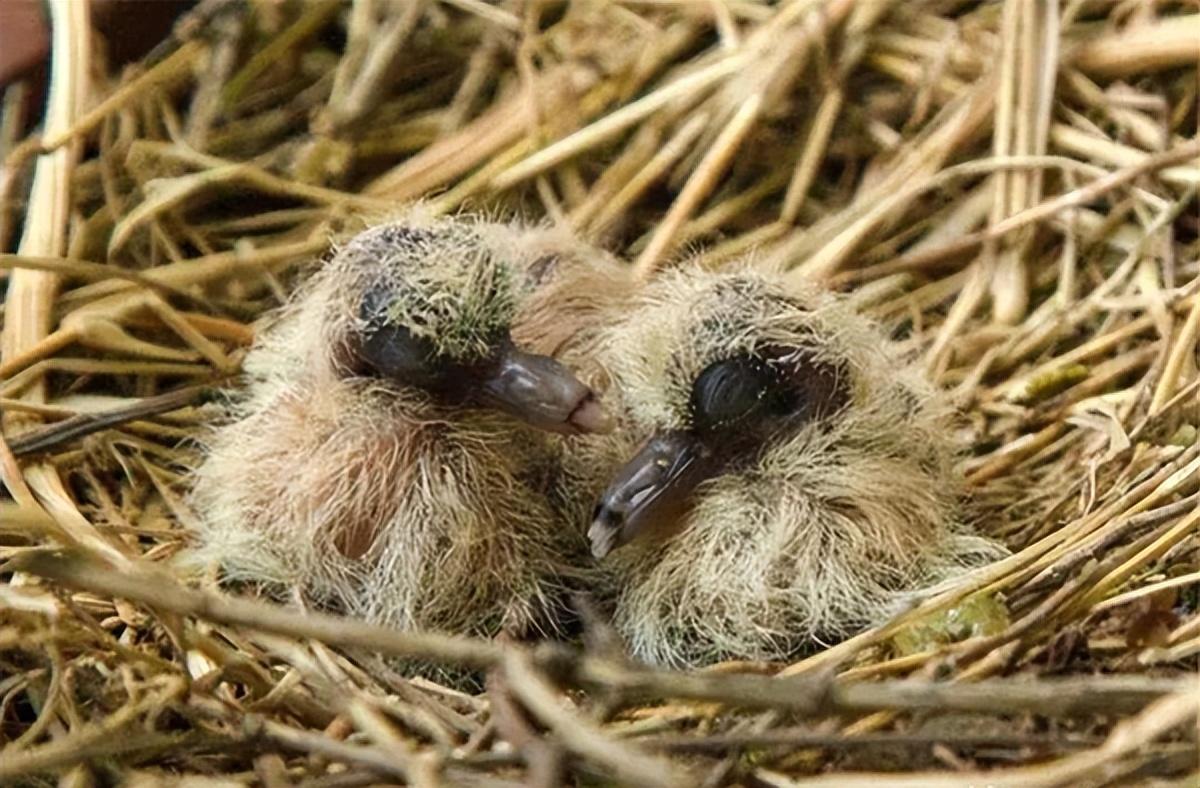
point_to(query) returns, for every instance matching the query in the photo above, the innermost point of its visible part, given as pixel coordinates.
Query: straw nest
(1009, 186)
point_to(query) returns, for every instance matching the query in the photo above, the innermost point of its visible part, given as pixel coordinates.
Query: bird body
(373, 462)
(781, 475)
(787, 475)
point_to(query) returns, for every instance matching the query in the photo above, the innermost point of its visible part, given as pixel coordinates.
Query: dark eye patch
(730, 392)
(394, 351)
(749, 397)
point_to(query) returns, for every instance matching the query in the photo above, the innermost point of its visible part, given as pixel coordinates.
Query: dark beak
(652, 488)
(543, 393)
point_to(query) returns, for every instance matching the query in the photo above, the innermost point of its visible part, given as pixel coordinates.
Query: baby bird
(390, 454)
(786, 475)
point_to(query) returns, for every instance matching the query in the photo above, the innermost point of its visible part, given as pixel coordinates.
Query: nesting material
(1007, 188)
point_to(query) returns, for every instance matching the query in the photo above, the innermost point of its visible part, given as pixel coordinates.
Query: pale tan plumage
(807, 524)
(412, 506)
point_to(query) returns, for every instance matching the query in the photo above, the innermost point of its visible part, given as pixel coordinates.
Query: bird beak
(543, 393)
(652, 488)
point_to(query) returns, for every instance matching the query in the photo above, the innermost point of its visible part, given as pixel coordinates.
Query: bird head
(719, 368)
(433, 305)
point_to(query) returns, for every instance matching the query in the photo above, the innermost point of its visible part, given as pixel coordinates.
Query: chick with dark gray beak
(391, 452)
(781, 475)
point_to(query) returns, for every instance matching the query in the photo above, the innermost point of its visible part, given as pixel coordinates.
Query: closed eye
(747, 398)
(731, 392)
(394, 351)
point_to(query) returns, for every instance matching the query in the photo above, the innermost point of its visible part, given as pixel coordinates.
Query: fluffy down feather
(815, 532)
(380, 499)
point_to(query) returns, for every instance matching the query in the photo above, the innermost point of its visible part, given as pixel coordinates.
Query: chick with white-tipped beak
(391, 452)
(781, 476)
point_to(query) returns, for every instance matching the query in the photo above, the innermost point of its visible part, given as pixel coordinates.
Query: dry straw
(1009, 186)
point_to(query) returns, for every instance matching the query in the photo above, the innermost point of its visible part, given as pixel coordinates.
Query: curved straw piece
(31, 293)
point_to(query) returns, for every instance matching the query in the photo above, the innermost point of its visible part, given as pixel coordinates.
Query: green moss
(1184, 436)
(1054, 382)
(977, 615)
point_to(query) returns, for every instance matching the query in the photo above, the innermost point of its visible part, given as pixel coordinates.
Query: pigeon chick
(390, 454)
(786, 477)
